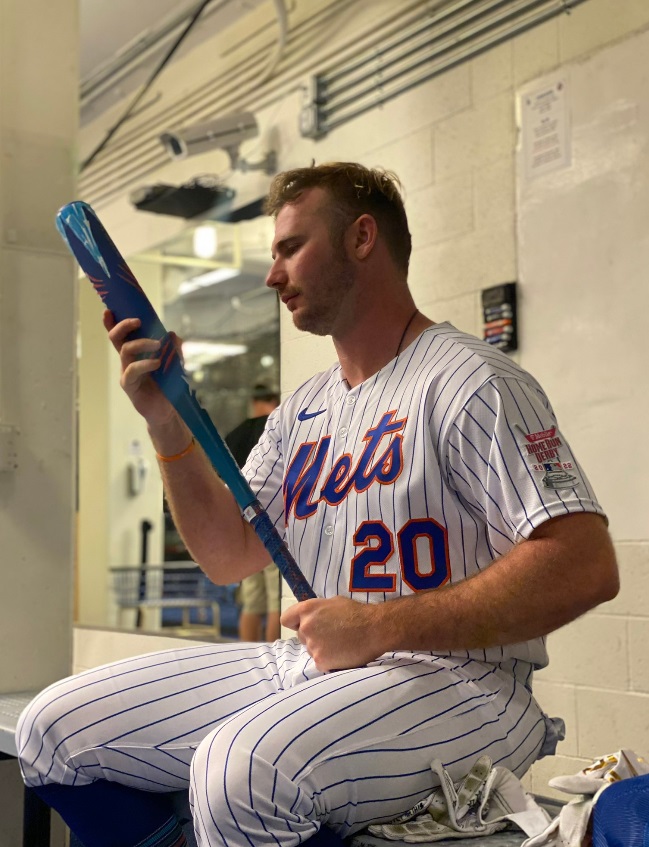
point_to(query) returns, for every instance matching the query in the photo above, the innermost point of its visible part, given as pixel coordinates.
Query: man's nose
(276, 275)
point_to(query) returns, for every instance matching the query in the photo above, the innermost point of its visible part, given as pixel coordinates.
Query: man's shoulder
(465, 360)
(457, 366)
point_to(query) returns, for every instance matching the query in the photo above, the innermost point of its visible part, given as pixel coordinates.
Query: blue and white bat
(113, 280)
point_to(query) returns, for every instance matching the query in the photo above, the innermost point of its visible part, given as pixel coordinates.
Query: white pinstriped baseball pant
(269, 747)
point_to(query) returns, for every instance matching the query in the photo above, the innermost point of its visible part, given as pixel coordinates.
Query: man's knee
(219, 772)
(43, 731)
(35, 731)
(236, 783)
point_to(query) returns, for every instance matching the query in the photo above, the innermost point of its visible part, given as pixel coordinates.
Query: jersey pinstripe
(420, 476)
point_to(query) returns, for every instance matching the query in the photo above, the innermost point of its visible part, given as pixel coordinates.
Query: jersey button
(329, 530)
(351, 399)
(342, 431)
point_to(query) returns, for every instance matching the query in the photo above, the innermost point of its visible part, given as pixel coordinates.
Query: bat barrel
(106, 268)
(120, 291)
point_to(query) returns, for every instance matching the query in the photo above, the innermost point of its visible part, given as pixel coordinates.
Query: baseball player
(410, 480)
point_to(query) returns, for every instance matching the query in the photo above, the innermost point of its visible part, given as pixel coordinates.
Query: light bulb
(205, 242)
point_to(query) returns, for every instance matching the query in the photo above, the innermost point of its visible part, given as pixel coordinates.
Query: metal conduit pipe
(282, 22)
(136, 53)
(439, 37)
(432, 21)
(382, 93)
(457, 44)
(448, 42)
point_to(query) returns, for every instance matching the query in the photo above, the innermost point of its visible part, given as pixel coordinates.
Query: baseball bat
(115, 283)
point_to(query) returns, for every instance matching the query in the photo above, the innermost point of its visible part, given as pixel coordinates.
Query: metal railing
(176, 589)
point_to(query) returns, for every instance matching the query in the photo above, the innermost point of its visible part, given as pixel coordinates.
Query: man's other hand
(338, 633)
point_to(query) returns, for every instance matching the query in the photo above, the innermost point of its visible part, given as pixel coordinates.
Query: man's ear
(364, 235)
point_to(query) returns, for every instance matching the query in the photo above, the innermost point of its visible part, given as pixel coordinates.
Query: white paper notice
(545, 129)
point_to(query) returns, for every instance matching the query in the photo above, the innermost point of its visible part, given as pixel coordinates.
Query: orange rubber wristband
(180, 455)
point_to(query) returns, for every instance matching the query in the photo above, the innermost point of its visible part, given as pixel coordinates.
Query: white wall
(38, 122)
(584, 250)
(453, 142)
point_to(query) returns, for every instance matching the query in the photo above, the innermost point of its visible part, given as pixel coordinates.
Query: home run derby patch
(541, 449)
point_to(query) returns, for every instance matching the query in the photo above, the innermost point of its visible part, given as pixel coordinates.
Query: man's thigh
(355, 746)
(139, 720)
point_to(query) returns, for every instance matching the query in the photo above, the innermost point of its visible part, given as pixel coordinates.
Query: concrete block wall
(598, 677)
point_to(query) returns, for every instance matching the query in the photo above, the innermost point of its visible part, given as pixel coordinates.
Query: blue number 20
(417, 536)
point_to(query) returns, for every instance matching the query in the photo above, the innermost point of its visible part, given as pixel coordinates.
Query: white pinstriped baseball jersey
(419, 476)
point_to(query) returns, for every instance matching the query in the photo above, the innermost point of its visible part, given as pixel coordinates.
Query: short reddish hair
(355, 190)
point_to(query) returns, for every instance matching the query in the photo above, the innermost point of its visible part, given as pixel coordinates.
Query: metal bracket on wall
(310, 112)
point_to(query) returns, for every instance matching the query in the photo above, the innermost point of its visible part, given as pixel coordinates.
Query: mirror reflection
(211, 292)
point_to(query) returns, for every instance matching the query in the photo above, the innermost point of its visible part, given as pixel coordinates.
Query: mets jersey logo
(374, 465)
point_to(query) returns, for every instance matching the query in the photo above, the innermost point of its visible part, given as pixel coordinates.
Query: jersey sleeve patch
(546, 458)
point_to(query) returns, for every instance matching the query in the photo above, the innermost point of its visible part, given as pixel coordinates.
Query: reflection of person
(260, 592)
(406, 478)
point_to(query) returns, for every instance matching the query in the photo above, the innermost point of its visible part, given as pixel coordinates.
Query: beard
(327, 301)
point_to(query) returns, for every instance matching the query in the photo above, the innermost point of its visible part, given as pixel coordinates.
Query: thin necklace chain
(403, 335)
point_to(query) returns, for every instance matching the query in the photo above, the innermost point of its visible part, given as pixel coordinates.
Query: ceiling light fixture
(194, 283)
(199, 354)
(205, 242)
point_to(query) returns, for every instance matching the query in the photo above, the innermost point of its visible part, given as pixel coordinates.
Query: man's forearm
(204, 511)
(564, 570)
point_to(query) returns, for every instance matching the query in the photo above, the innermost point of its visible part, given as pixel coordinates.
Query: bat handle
(273, 542)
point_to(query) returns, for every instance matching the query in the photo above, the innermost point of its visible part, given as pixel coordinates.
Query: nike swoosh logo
(305, 416)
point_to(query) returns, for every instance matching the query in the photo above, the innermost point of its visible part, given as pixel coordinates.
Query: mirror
(219, 305)
(207, 284)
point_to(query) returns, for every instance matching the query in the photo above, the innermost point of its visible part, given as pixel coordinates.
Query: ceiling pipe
(452, 35)
(137, 53)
